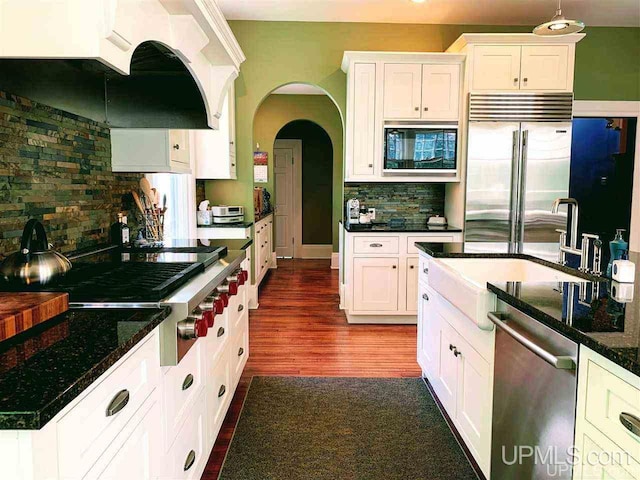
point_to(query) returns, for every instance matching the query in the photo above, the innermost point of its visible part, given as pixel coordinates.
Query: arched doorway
(303, 181)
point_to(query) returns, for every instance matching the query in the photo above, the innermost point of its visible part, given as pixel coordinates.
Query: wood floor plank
(299, 330)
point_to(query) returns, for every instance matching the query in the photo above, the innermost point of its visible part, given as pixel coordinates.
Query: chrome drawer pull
(375, 245)
(118, 403)
(240, 307)
(191, 459)
(426, 270)
(222, 391)
(188, 381)
(240, 352)
(631, 423)
(220, 332)
(425, 297)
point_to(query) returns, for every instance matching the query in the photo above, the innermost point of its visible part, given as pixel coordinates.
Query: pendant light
(559, 25)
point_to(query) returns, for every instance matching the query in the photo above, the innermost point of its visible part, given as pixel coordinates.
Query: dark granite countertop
(45, 368)
(407, 227)
(591, 313)
(228, 225)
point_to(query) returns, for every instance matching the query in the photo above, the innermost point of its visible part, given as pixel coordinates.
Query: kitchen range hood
(128, 63)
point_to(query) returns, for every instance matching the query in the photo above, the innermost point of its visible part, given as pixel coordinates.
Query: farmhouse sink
(463, 281)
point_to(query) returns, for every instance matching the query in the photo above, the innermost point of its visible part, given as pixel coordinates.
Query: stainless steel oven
(420, 149)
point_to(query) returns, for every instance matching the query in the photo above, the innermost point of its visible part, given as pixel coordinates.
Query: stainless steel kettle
(35, 263)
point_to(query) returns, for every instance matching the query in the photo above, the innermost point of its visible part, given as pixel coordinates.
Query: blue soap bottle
(617, 246)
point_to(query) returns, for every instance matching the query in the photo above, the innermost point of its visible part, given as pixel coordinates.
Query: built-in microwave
(420, 149)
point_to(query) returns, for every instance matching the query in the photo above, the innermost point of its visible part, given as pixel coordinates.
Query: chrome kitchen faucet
(587, 238)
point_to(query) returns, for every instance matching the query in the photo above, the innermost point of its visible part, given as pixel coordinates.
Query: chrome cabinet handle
(222, 391)
(426, 109)
(525, 79)
(371, 165)
(240, 352)
(456, 352)
(417, 109)
(176, 147)
(375, 245)
(411, 267)
(220, 332)
(452, 347)
(631, 423)
(560, 362)
(425, 297)
(426, 270)
(240, 307)
(231, 142)
(191, 459)
(188, 381)
(515, 80)
(118, 402)
(394, 266)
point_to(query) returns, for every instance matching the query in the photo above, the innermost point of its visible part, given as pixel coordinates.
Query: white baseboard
(314, 251)
(342, 306)
(252, 297)
(383, 319)
(274, 260)
(335, 260)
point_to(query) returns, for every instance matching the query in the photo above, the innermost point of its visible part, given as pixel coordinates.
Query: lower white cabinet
(263, 245)
(139, 420)
(380, 282)
(607, 395)
(449, 346)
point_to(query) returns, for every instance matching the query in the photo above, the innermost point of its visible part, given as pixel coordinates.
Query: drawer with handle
(181, 386)
(239, 352)
(188, 455)
(613, 407)
(85, 431)
(217, 339)
(411, 241)
(219, 394)
(380, 244)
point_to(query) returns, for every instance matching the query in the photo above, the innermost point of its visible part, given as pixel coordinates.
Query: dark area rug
(298, 428)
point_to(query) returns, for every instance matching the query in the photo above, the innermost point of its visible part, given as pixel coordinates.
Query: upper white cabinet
(215, 150)
(504, 62)
(402, 90)
(440, 92)
(396, 87)
(150, 150)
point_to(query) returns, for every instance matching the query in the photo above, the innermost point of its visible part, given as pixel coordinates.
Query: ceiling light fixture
(417, 1)
(559, 25)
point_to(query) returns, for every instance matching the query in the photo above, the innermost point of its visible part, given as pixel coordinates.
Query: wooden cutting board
(23, 310)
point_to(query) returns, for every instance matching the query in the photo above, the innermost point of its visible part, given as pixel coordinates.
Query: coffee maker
(352, 216)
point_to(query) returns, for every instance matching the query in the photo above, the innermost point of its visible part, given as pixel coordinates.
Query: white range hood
(109, 31)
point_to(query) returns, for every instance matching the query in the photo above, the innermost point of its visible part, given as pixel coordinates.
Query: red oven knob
(230, 288)
(239, 277)
(209, 317)
(192, 327)
(218, 305)
(219, 293)
(245, 275)
(201, 327)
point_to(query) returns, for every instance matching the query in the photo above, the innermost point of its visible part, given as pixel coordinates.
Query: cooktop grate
(125, 282)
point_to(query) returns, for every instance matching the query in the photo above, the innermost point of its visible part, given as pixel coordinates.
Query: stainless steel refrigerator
(518, 160)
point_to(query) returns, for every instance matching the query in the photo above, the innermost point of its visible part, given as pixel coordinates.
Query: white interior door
(283, 155)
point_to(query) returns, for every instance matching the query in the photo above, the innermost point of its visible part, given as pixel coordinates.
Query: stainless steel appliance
(519, 154)
(352, 216)
(420, 149)
(227, 214)
(534, 398)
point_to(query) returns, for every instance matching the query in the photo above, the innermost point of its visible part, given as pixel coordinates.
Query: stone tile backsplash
(412, 201)
(56, 166)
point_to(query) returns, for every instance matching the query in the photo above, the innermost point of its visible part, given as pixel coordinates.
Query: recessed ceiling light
(559, 25)
(418, 1)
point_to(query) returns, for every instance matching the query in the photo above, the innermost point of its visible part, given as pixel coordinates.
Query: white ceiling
(623, 13)
(299, 89)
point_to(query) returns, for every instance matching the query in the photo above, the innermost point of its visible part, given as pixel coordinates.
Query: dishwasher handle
(560, 362)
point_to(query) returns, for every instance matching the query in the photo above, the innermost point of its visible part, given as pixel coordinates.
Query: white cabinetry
(525, 62)
(263, 245)
(381, 275)
(457, 359)
(215, 150)
(607, 395)
(393, 87)
(150, 150)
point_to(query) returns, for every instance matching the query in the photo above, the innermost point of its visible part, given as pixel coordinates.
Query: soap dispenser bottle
(617, 246)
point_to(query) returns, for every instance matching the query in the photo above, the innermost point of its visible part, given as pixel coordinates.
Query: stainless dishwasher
(534, 399)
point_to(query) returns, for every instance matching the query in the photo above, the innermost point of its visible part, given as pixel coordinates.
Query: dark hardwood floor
(299, 330)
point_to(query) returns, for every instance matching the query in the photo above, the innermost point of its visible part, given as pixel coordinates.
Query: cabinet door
(139, 455)
(429, 330)
(375, 284)
(412, 284)
(179, 147)
(545, 67)
(231, 119)
(447, 378)
(440, 92)
(496, 67)
(402, 90)
(364, 107)
(473, 403)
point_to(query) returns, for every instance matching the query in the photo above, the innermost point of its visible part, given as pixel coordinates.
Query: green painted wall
(278, 110)
(607, 68)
